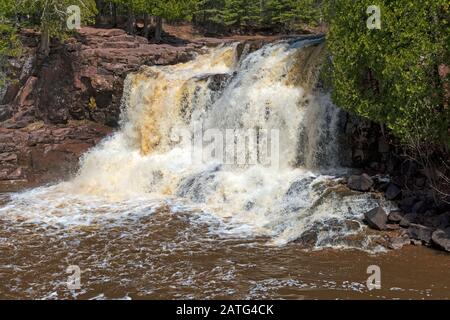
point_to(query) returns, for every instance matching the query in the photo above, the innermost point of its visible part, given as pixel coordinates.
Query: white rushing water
(152, 162)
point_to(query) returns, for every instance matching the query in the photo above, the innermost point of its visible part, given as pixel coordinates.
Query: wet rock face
(360, 183)
(441, 238)
(376, 218)
(82, 79)
(41, 154)
(430, 228)
(395, 217)
(199, 186)
(393, 192)
(396, 243)
(421, 233)
(367, 146)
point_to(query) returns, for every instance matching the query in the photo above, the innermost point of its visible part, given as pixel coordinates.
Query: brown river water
(174, 256)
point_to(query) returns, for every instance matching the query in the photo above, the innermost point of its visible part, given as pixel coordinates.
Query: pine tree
(280, 15)
(53, 17)
(240, 14)
(210, 11)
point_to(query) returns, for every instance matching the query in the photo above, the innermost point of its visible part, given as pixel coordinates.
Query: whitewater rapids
(148, 166)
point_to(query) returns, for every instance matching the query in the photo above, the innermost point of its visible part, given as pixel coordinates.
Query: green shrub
(10, 46)
(390, 75)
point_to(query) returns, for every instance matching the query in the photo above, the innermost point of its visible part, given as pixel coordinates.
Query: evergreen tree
(280, 15)
(242, 13)
(9, 41)
(210, 11)
(170, 10)
(390, 75)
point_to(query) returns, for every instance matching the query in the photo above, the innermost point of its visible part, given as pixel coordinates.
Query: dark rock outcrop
(83, 78)
(376, 218)
(407, 203)
(39, 154)
(443, 220)
(420, 207)
(393, 192)
(419, 232)
(408, 219)
(360, 183)
(396, 243)
(395, 217)
(441, 238)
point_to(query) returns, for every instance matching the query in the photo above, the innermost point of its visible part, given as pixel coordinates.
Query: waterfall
(154, 158)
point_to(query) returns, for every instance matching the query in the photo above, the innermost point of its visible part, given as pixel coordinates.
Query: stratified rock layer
(40, 154)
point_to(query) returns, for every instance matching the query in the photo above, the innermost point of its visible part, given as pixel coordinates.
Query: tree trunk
(44, 46)
(98, 17)
(146, 26)
(158, 29)
(130, 22)
(114, 15)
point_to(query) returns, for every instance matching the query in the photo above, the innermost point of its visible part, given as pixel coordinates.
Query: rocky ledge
(419, 220)
(40, 154)
(82, 79)
(53, 110)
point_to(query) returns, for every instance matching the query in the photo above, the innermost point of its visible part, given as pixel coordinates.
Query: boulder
(395, 216)
(419, 232)
(444, 221)
(431, 219)
(376, 218)
(408, 219)
(441, 238)
(419, 207)
(360, 183)
(398, 242)
(420, 182)
(393, 192)
(443, 207)
(407, 203)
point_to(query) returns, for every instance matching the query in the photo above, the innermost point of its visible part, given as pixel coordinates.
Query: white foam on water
(142, 167)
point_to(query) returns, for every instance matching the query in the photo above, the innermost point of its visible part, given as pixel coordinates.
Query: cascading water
(157, 212)
(148, 164)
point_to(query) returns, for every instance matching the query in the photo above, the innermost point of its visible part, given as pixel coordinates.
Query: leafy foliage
(9, 41)
(391, 75)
